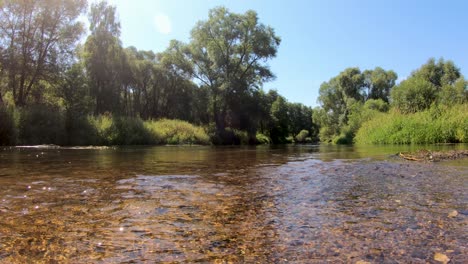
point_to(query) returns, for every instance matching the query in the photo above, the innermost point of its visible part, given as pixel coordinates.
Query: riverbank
(40, 126)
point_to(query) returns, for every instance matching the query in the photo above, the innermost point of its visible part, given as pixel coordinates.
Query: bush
(413, 95)
(346, 137)
(440, 124)
(104, 131)
(130, 131)
(79, 132)
(454, 94)
(262, 139)
(7, 127)
(40, 124)
(376, 104)
(301, 137)
(167, 131)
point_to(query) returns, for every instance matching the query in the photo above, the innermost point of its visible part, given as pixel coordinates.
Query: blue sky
(319, 38)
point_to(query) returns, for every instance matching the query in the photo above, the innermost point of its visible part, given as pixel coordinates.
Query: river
(300, 204)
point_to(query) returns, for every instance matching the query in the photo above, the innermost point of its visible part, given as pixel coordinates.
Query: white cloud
(163, 24)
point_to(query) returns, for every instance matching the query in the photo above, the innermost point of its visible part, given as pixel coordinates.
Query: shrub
(413, 95)
(104, 132)
(130, 131)
(262, 139)
(301, 137)
(7, 127)
(167, 131)
(40, 124)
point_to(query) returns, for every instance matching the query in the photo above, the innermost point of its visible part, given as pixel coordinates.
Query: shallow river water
(299, 204)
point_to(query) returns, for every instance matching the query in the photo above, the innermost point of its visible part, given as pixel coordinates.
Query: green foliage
(454, 94)
(40, 124)
(346, 137)
(104, 58)
(216, 78)
(430, 82)
(438, 73)
(377, 104)
(262, 139)
(327, 123)
(36, 39)
(120, 131)
(227, 53)
(279, 128)
(413, 95)
(439, 124)
(230, 136)
(79, 131)
(302, 136)
(378, 83)
(134, 131)
(300, 118)
(343, 96)
(167, 131)
(7, 127)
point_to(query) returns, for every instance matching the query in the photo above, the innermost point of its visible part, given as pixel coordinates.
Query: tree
(104, 58)
(138, 79)
(300, 118)
(433, 81)
(378, 83)
(73, 89)
(279, 128)
(37, 38)
(413, 95)
(227, 54)
(454, 94)
(345, 93)
(438, 73)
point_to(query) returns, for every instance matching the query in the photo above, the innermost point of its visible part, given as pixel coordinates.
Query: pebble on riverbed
(441, 258)
(452, 214)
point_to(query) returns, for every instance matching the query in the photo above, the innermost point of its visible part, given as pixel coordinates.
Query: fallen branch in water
(407, 156)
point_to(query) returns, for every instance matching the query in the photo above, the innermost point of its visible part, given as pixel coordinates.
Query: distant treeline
(52, 87)
(430, 106)
(56, 90)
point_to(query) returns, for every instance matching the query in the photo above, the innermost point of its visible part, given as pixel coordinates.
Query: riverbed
(300, 204)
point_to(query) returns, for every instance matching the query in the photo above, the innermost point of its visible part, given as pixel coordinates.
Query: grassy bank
(47, 125)
(439, 124)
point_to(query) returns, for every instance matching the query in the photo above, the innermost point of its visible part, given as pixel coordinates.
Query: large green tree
(342, 94)
(378, 83)
(104, 58)
(37, 39)
(227, 53)
(433, 81)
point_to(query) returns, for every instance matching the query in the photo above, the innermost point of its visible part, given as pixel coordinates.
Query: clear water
(306, 204)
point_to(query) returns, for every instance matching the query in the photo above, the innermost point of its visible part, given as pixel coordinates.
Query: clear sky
(319, 38)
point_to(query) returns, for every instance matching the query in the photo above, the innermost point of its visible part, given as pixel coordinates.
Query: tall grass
(34, 125)
(439, 124)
